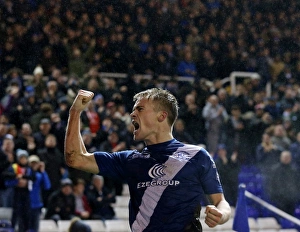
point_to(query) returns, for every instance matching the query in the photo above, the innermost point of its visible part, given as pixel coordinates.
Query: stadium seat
(288, 230)
(96, 225)
(125, 191)
(121, 201)
(267, 223)
(63, 225)
(268, 230)
(5, 213)
(117, 226)
(121, 212)
(48, 226)
(252, 224)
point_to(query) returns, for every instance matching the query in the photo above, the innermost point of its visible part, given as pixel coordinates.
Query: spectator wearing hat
(21, 178)
(38, 83)
(61, 204)
(42, 182)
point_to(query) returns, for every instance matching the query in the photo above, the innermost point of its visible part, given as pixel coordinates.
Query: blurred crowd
(50, 49)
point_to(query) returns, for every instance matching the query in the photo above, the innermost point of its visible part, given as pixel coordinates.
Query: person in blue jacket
(167, 180)
(20, 177)
(42, 182)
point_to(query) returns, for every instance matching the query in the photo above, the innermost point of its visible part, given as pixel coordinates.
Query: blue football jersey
(167, 182)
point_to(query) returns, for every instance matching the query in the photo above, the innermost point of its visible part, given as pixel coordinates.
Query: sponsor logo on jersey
(181, 156)
(154, 183)
(157, 171)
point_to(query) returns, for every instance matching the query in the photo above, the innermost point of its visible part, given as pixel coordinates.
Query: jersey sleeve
(210, 179)
(112, 164)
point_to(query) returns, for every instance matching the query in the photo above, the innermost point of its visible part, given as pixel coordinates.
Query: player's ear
(162, 115)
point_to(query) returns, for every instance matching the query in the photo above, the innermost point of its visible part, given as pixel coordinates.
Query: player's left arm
(218, 212)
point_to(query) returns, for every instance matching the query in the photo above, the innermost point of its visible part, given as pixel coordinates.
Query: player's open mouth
(136, 125)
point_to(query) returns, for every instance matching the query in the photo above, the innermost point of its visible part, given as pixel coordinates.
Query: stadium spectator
(215, 116)
(40, 135)
(41, 181)
(38, 82)
(61, 203)
(236, 136)
(82, 206)
(192, 116)
(10, 102)
(295, 151)
(113, 143)
(25, 139)
(280, 138)
(8, 150)
(100, 199)
(228, 168)
(284, 184)
(181, 134)
(45, 111)
(267, 153)
(4, 164)
(258, 123)
(54, 162)
(187, 67)
(21, 178)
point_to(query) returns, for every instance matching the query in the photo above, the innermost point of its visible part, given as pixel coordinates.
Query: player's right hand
(82, 99)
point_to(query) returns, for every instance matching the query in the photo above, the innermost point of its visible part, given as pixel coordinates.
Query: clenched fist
(82, 99)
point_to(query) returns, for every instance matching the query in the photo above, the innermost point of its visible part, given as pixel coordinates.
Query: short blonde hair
(163, 100)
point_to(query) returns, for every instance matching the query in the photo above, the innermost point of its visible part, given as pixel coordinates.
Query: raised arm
(76, 155)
